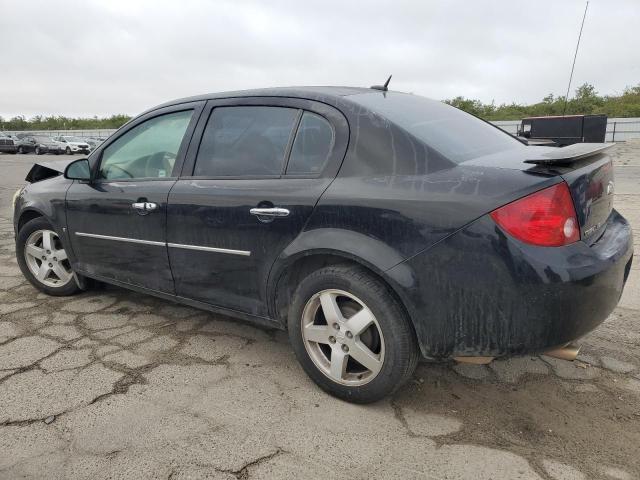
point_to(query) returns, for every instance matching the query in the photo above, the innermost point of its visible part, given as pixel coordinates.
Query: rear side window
(453, 133)
(312, 146)
(245, 141)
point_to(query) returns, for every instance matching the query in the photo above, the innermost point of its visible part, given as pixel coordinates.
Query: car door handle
(270, 212)
(144, 207)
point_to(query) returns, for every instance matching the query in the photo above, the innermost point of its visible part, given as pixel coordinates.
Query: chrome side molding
(121, 239)
(209, 249)
(245, 253)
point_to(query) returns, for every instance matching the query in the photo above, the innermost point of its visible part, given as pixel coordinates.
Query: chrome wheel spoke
(47, 241)
(43, 271)
(338, 365)
(360, 321)
(60, 255)
(365, 357)
(34, 251)
(317, 333)
(61, 273)
(330, 307)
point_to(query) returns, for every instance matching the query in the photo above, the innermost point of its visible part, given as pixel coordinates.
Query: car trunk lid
(587, 169)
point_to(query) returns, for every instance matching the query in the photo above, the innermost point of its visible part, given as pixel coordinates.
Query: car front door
(117, 222)
(248, 186)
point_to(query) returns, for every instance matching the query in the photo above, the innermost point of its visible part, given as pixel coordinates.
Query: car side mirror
(78, 170)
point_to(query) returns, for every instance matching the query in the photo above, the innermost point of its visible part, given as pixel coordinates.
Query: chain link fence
(618, 130)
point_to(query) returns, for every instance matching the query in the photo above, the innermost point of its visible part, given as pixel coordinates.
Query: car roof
(319, 93)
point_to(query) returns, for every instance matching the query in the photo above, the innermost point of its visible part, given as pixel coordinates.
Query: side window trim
(95, 158)
(292, 139)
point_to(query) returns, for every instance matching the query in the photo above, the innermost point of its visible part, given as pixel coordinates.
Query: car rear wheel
(68, 150)
(43, 260)
(20, 150)
(350, 335)
(37, 150)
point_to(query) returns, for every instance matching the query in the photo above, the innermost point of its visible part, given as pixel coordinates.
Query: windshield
(455, 134)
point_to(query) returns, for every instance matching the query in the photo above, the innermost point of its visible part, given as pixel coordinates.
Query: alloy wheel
(46, 259)
(342, 337)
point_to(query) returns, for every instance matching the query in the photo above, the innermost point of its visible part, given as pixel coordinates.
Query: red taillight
(546, 218)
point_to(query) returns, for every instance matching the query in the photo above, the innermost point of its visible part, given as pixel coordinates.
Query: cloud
(104, 57)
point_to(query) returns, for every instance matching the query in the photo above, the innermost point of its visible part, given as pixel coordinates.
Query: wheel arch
(289, 273)
(27, 215)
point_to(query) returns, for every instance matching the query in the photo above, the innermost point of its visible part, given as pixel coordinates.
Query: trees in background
(40, 122)
(585, 101)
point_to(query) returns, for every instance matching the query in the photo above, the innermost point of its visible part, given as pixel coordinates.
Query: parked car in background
(93, 142)
(7, 144)
(376, 227)
(73, 144)
(39, 144)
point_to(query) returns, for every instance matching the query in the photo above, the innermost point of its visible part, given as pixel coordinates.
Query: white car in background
(73, 144)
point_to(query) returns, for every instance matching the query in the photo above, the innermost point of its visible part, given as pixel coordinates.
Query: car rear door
(117, 222)
(249, 184)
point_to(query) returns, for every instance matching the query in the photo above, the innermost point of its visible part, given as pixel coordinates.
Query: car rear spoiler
(569, 154)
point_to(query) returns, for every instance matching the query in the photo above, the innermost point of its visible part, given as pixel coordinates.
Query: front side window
(312, 146)
(245, 141)
(148, 150)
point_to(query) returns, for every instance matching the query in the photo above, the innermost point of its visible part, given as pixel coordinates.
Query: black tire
(20, 150)
(401, 349)
(31, 226)
(37, 151)
(68, 150)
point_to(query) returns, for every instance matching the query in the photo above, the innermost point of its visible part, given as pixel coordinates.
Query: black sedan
(39, 144)
(378, 227)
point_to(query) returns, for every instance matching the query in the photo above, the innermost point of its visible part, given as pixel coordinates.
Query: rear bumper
(482, 293)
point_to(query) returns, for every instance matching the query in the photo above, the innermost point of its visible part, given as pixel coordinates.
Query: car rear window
(453, 133)
(245, 141)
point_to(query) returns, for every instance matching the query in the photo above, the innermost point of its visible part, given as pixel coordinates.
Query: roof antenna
(384, 87)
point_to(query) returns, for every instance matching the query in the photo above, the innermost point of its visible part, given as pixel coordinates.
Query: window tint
(240, 141)
(312, 146)
(147, 150)
(455, 134)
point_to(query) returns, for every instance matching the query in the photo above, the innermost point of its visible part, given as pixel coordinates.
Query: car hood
(43, 170)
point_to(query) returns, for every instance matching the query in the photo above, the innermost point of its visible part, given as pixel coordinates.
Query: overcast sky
(99, 57)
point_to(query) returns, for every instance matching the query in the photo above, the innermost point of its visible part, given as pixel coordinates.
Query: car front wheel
(43, 260)
(68, 150)
(350, 335)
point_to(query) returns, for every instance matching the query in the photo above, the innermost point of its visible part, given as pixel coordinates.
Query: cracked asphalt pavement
(115, 384)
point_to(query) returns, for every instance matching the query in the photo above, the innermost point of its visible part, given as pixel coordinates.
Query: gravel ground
(114, 384)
